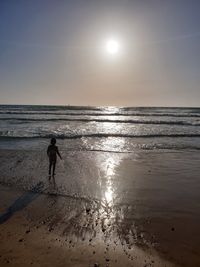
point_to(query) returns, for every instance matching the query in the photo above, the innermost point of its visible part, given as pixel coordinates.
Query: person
(52, 152)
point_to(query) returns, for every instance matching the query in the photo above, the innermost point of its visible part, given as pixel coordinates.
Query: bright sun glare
(112, 47)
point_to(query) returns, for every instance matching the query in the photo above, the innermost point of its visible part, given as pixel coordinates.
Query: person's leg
(54, 167)
(50, 165)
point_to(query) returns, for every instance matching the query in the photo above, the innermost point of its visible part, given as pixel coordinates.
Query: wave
(46, 107)
(146, 147)
(132, 148)
(131, 121)
(89, 107)
(149, 114)
(5, 135)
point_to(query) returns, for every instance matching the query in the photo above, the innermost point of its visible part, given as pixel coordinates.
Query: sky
(53, 52)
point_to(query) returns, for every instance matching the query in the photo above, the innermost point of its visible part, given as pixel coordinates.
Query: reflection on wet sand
(109, 183)
(122, 200)
(108, 167)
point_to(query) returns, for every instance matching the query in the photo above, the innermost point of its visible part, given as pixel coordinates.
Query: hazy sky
(53, 52)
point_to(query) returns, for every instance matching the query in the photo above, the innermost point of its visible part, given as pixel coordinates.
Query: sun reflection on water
(109, 166)
(112, 109)
(109, 195)
(110, 171)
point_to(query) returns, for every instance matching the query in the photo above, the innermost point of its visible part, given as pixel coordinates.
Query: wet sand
(102, 209)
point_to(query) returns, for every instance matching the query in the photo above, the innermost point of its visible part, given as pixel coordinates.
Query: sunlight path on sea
(108, 167)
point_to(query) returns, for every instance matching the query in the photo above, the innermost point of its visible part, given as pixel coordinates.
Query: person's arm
(58, 153)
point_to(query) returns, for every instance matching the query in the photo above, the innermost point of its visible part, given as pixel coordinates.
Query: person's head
(53, 141)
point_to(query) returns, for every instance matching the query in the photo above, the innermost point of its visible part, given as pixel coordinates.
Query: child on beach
(52, 152)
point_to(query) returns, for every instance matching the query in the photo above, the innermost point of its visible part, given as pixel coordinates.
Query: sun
(112, 47)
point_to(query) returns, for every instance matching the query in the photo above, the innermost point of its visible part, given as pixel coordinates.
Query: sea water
(117, 129)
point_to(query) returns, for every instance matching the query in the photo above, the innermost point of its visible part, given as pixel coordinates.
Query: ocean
(109, 129)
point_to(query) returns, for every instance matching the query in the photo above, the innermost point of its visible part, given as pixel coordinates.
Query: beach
(125, 194)
(102, 209)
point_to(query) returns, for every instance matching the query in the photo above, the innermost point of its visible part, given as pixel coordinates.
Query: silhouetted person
(52, 152)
